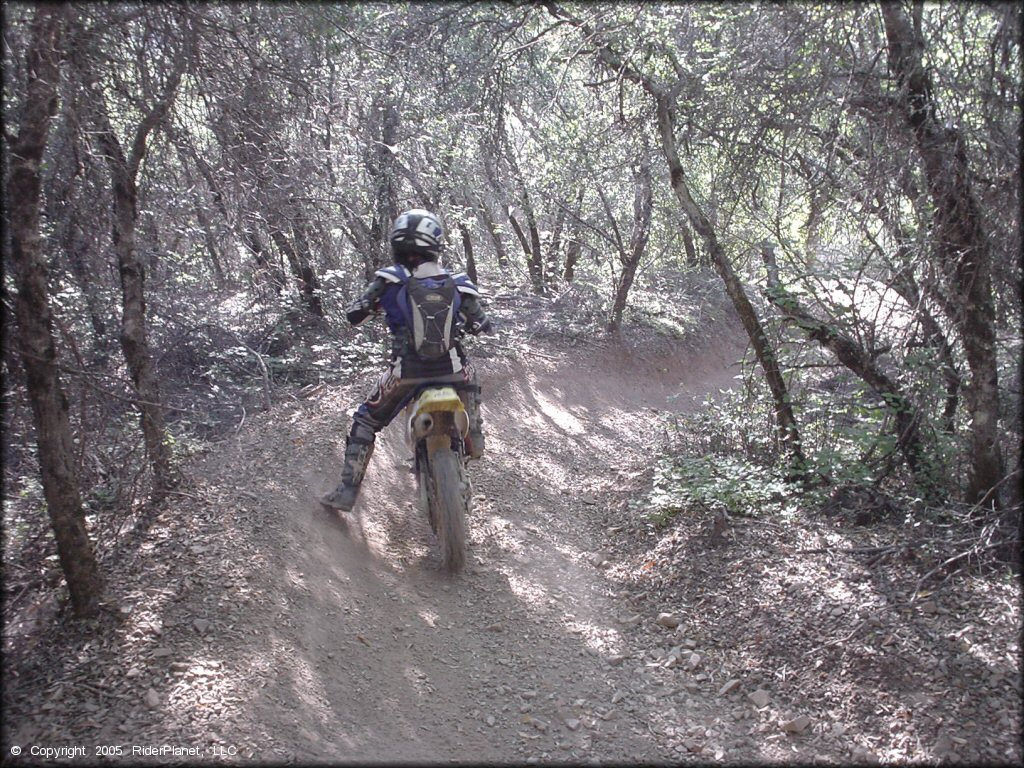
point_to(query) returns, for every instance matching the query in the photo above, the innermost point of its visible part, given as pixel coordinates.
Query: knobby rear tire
(450, 508)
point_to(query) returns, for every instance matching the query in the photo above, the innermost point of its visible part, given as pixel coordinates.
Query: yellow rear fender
(433, 412)
(438, 399)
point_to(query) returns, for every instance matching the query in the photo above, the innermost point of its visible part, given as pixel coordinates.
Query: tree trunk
(785, 420)
(134, 343)
(266, 272)
(905, 285)
(531, 251)
(492, 229)
(532, 257)
(209, 241)
(789, 434)
(555, 248)
(467, 249)
(385, 123)
(77, 254)
(643, 203)
(534, 254)
(66, 211)
(305, 277)
(572, 246)
(572, 255)
(209, 238)
(961, 243)
(692, 259)
(309, 283)
(187, 150)
(537, 269)
(35, 324)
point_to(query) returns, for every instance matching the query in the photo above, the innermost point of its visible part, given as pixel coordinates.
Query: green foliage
(718, 482)
(847, 437)
(184, 442)
(734, 422)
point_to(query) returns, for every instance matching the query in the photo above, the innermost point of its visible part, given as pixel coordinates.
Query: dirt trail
(370, 653)
(257, 625)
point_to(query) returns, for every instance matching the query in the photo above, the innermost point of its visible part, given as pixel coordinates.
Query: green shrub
(717, 482)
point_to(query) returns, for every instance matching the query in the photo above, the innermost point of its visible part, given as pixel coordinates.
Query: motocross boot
(358, 450)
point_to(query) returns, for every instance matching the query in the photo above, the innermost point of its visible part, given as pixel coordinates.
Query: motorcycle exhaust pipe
(422, 425)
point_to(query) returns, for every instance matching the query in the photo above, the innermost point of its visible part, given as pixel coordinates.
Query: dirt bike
(438, 426)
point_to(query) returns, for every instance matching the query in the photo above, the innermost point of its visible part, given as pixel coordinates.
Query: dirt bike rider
(423, 304)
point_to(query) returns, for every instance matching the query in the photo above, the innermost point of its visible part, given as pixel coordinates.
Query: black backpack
(432, 304)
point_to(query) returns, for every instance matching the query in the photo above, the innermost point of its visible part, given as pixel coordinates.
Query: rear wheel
(450, 508)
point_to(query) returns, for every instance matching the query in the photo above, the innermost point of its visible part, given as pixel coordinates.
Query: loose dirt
(254, 624)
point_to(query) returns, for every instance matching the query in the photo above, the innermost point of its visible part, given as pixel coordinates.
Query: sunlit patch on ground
(529, 591)
(562, 417)
(600, 638)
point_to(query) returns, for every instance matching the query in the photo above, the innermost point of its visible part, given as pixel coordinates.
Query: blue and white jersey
(388, 293)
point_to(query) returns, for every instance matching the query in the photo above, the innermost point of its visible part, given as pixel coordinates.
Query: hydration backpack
(433, 304)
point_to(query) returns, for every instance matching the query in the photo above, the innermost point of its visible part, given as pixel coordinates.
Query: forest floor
(254, 625)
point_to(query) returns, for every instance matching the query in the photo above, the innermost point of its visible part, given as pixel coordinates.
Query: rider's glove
(476, 328)
(359, 310)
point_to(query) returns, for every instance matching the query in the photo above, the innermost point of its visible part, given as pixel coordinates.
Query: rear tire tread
(450, 508)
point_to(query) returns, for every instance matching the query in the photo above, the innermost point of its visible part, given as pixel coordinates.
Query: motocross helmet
(416, 237)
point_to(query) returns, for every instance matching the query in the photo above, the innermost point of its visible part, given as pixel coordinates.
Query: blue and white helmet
(417, 232)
